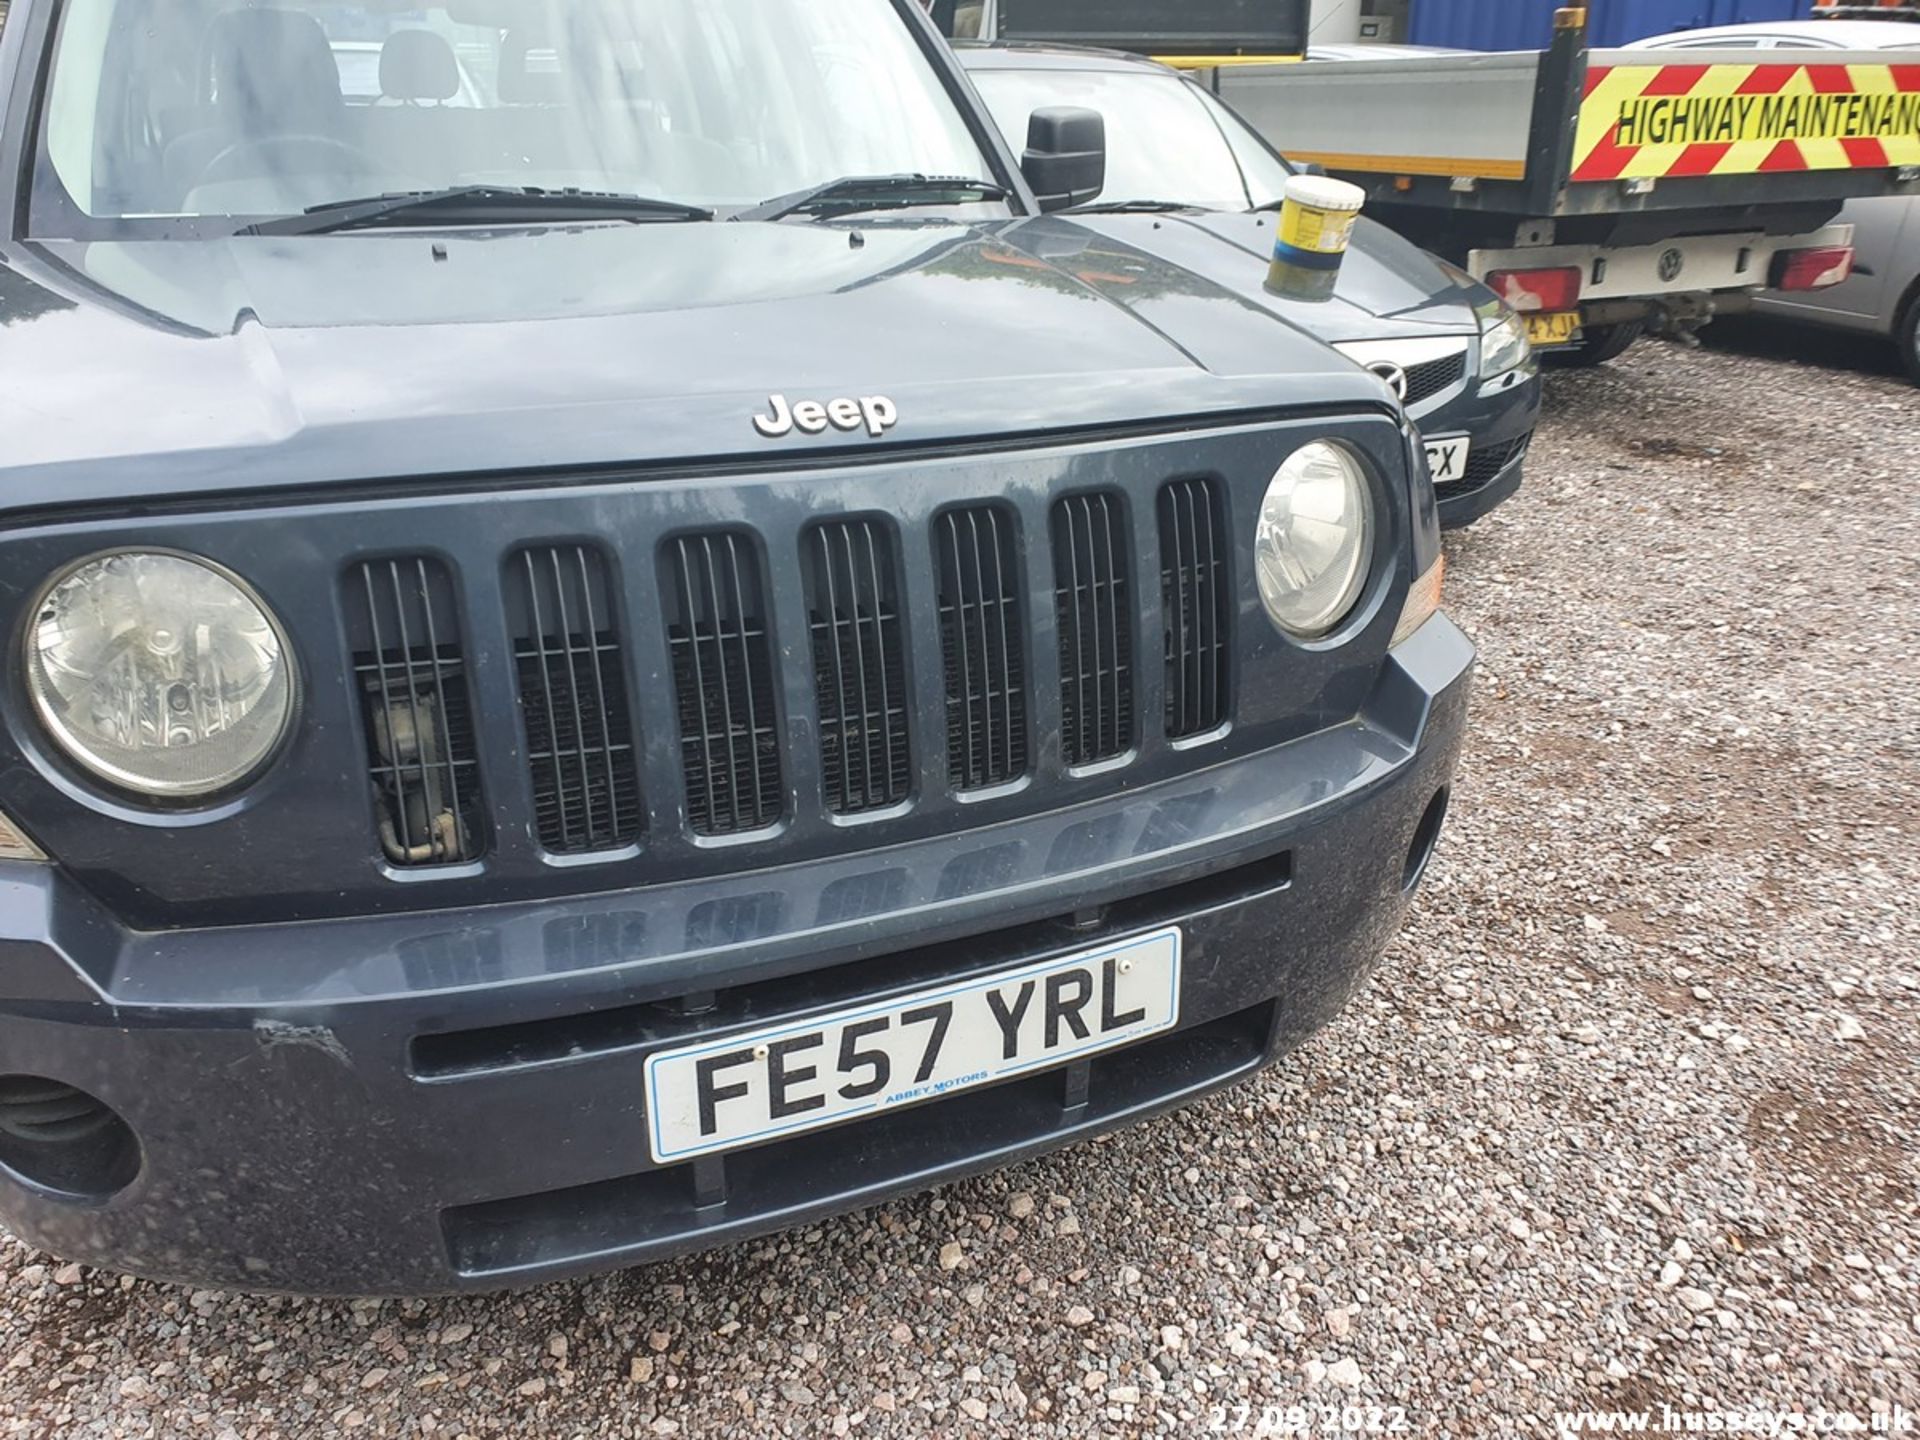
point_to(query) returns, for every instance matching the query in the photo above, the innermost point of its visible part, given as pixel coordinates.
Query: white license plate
(746, 1088)
(1447, 459)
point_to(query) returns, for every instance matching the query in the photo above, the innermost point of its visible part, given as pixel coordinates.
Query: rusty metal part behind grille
(403, 625)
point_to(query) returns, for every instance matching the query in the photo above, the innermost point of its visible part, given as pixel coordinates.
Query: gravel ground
(1628, 1118)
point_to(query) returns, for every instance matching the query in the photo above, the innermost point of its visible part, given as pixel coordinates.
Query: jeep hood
(158, 368)
(1389, 288)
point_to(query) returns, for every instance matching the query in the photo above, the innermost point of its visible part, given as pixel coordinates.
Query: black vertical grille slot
(404, 629)
(1092, 604)
(723, 681)
(573, 700)
(1197, 604)
(853, 612)
(982, 643)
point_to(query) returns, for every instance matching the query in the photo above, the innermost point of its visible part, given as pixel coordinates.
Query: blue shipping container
(1528, 24)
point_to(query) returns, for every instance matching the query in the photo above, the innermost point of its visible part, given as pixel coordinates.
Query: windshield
(1166, 138)
(164, 109)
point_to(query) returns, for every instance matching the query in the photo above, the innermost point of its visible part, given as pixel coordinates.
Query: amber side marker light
(14, 845)
(1423, 600)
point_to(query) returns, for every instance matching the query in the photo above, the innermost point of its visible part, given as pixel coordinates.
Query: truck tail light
(1815, 269)
(1554, 289)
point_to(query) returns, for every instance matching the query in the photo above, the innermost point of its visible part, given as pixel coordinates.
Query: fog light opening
(60, 1138)
(1425, 836)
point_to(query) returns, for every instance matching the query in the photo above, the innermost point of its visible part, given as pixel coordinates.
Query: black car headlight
(1503, 340)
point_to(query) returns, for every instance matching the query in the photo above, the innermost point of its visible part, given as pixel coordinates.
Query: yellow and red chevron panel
(1660, 121)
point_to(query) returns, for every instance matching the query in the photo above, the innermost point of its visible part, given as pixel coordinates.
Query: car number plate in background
(1447, 459)
(1552, 327)
(750, 1087)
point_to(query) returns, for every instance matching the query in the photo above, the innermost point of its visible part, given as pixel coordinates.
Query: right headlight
(1313, 545)
(159, 673)
(1503, 340)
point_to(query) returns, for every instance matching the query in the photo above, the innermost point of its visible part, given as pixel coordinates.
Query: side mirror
(1307, 167)
(1066, 156)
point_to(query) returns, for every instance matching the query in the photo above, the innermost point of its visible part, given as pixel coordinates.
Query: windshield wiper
(475, 205)
(852, 193)
(1132, 207)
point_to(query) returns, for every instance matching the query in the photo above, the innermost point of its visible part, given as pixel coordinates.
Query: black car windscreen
(1159, 27)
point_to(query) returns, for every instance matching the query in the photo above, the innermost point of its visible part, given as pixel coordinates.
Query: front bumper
(464, 1108)
(1500, 418)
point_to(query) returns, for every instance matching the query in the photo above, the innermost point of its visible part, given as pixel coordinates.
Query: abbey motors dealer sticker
(1662, 121)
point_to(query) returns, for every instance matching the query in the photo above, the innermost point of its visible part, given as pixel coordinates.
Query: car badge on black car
(814, 417)
(1395, 377)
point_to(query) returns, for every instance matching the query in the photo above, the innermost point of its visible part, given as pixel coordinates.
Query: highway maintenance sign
(1666, 120)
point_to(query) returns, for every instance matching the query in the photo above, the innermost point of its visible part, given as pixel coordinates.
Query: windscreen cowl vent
(411, 674)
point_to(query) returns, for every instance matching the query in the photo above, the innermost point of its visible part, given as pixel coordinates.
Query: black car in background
(1189, 180)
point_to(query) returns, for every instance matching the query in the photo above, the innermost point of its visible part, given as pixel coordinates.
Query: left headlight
(1313, 545)
(1503, 340)
(159, 673)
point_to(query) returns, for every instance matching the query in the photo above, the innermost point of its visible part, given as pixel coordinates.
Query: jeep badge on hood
(812, 417)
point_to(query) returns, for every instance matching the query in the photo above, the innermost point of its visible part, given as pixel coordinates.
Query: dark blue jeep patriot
(614, 638)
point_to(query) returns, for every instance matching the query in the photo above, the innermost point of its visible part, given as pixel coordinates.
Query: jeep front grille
(404, 629)
(1197, 603)
(977, 565)
(723, 681)
(1092, 605)
(567, 655)
(611, 687)
(853, 616)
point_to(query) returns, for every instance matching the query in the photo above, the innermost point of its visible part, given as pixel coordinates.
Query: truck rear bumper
(475, 1119)
(1681, 265)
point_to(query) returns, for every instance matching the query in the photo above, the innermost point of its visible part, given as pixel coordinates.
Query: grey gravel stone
(1346, 1373)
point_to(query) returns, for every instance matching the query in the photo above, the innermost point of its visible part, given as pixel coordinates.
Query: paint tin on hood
(1317, 217)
